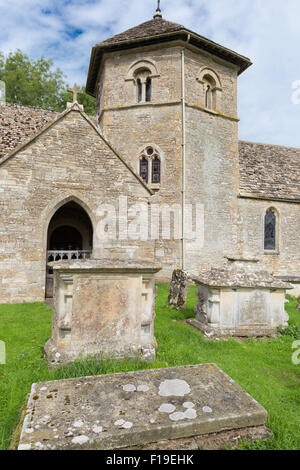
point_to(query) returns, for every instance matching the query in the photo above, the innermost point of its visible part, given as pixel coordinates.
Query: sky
(266, 31)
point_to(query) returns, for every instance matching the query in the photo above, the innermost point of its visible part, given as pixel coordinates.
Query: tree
(35, 83)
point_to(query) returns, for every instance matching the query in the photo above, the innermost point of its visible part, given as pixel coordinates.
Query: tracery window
(270, 231)
(144, 169)
(156, 170)
(150, 165)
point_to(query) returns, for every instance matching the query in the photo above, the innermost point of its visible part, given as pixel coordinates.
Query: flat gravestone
(135, 408)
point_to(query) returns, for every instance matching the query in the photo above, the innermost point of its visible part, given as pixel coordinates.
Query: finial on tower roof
(158, 14)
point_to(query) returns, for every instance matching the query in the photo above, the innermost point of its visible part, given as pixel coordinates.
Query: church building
(165, 136)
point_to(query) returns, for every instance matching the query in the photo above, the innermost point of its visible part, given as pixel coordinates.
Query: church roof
(25, 141)
(18, 123)
(144, 30)
(266, 171)
(157, 31)
(269, 171)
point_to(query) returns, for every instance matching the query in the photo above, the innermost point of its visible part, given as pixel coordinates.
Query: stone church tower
(167, 97)
(166, 139)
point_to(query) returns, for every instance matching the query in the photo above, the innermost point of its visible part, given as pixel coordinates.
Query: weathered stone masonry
(69, 161)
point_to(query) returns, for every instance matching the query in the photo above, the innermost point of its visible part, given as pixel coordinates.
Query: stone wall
(212, 155)
(285, 261)
(212, 147)
(68, 161)
(212, 177)
(130, 126)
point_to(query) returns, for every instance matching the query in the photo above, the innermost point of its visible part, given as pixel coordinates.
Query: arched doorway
(70, 236)
(66, 238)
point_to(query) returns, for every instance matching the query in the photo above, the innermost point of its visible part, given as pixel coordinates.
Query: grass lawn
(262, 367)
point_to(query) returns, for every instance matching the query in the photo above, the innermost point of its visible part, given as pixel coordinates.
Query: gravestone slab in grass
(134, 408)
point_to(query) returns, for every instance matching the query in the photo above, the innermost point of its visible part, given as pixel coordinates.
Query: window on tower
(139, 90)
(144, 169)
(210, 92)
(150, 166)
(142, 73)
(148, 89)
(144, 84)
(156, 170)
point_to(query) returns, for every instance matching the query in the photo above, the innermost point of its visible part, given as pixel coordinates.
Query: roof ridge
(30, 106)
(74, 107)
(269, 145)
(156, 23)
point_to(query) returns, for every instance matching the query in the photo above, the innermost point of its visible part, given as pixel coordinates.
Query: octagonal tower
(167, 101)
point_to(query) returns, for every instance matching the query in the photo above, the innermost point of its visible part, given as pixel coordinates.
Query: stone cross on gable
(76, 91)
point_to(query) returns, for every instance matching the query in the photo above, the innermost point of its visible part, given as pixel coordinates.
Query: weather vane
(158, 11)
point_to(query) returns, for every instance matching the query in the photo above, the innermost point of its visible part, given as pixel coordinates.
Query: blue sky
(266, 31)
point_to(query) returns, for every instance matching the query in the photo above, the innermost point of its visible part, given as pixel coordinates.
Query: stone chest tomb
(233, 301)
(102, 308)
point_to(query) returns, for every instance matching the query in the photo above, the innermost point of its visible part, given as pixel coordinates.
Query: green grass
(262, 367)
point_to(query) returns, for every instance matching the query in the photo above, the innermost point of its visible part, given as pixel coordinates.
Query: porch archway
(69, 236)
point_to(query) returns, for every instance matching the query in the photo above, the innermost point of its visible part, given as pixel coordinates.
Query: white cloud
(267, 31)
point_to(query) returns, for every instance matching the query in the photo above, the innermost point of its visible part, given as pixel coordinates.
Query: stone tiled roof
(155, 31)
(239, 277)
(19, 123)
(266, 171)
(149, 28)
(91, 120)
(269, 171)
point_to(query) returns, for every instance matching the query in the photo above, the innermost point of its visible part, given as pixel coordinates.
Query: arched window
(142, 73)
(150, 166)
(139, 90)
(156, 170)
(209, 97)
(270, 232)
(212, 88)
(148, 89)
(144, 169)
(143, 82)
(210, 92)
